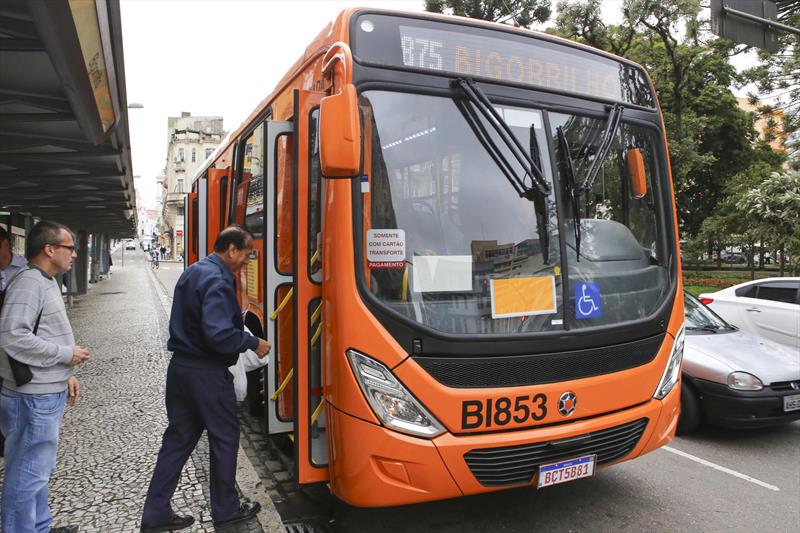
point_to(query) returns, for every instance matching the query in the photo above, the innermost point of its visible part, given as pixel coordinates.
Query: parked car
(130, 245)
(732, 378)
(767, 307)
(734, 258)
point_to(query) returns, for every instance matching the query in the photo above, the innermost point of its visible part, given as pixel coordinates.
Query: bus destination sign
(462, 50)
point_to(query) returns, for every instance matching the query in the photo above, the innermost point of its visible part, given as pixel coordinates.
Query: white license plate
(791, 403)
(563, 471)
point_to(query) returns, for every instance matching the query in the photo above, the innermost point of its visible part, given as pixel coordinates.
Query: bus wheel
(690, 416)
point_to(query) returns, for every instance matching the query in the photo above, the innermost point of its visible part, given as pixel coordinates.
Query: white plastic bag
(248, 360)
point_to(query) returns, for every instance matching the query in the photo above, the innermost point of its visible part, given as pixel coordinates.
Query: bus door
(278, 271)
(217, 193)
(310, 429)
(190, 235)
(202, 219)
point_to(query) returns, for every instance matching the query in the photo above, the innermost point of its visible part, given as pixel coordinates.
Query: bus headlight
(390, 400)
(673, 371)
(744, 381)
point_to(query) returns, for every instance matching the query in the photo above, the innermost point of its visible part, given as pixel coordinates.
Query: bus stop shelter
(64, 139)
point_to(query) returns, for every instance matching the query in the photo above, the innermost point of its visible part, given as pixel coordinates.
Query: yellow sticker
(252, 276)
(557, 270)
(523, 296)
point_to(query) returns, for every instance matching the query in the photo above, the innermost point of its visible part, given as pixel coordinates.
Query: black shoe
(174, 524)
(64, 529)
(247, 510)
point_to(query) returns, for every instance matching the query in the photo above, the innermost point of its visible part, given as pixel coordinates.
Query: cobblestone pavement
(110, 439)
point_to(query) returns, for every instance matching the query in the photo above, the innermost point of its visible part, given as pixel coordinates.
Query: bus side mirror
(340, 134)
(637, 173)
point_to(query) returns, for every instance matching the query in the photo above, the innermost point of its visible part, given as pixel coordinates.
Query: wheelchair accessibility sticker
(587, 300)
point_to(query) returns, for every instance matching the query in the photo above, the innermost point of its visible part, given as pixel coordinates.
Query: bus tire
(690, 416)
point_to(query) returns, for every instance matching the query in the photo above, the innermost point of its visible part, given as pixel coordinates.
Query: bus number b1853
(501, 411)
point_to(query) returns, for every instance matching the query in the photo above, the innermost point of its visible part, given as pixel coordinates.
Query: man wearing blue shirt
(206, 337)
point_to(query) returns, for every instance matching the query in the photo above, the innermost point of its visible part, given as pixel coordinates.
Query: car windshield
(448, 243)
(700, 317)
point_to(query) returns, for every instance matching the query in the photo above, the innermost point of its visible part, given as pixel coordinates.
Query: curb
(247, 479)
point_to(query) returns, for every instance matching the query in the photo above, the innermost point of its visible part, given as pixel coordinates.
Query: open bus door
(217, 207)
(190, 235)
(310, 428)
(292, 299)
(202, 217)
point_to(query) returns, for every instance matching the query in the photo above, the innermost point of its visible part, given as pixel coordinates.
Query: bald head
(234, 235)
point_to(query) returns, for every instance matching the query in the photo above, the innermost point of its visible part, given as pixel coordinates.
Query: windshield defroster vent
(536, 369)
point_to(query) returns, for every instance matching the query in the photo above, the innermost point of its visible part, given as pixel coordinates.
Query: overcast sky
(218, 57)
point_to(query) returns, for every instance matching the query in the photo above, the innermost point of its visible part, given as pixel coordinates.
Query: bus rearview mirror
(340, 134)
(637, 173)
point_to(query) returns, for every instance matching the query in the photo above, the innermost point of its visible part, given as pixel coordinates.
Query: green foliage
(773, 207)
(778, 75)
(521, 13)
(710, 137)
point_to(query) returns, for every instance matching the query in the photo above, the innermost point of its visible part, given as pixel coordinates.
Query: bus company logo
(567, 403)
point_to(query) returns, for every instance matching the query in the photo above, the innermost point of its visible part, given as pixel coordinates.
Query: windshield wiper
(612, 124)
(538, 190)
(568, 172)
(707, 327)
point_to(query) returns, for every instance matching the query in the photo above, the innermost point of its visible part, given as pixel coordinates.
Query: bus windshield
(449, 244)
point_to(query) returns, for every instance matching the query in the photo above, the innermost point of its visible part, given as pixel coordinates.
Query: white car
(767, 307)
(734, 379)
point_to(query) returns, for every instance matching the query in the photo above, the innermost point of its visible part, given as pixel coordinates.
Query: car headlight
(390, 400)
(744, 381)
(673, 370)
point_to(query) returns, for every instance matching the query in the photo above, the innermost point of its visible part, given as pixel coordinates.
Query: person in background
(206, 337)
(37, 355)
(10, 264)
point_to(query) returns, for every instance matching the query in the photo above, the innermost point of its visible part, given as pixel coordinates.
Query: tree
(520, 13)
(710, 137)
(778, 75)
(773, 207)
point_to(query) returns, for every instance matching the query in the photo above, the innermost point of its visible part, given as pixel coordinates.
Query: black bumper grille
(781, 386)
(516, 465)
(536, 369)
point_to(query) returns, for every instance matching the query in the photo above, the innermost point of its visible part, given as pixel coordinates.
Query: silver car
(732, 378)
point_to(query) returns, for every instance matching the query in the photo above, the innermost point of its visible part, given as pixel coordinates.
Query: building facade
(190, 140)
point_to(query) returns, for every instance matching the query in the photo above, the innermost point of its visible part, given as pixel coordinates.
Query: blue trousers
(197, 399)
(30, 423)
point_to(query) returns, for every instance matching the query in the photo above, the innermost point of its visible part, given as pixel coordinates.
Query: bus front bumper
(378, 467)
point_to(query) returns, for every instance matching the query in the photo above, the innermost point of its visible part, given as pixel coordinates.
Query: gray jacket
(49, 352)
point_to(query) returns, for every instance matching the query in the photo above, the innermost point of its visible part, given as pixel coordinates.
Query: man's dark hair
(4, 235)
(43, 232)
(235, 235)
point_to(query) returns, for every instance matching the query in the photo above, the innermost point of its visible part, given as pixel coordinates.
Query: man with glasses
(37, 354)
(206, 337)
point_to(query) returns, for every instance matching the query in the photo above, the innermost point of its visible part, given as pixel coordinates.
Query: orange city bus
(465, 259)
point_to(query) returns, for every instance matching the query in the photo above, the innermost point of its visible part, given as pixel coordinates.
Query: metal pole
(123, 254)
(765, 22)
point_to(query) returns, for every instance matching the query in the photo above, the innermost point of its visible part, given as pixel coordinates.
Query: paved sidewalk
(109, 441)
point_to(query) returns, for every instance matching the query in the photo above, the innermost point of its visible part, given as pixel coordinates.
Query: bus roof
(338, 30)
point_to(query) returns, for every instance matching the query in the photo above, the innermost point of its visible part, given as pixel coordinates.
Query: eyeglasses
(70, 247)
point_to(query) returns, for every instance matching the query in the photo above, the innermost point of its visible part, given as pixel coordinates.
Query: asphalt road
(665, 490)
(714, 480)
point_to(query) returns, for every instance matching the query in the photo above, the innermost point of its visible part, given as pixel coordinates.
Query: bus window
(284, 198)
(223, 199)
(315, 187)
(195, 228)
(253, 181)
